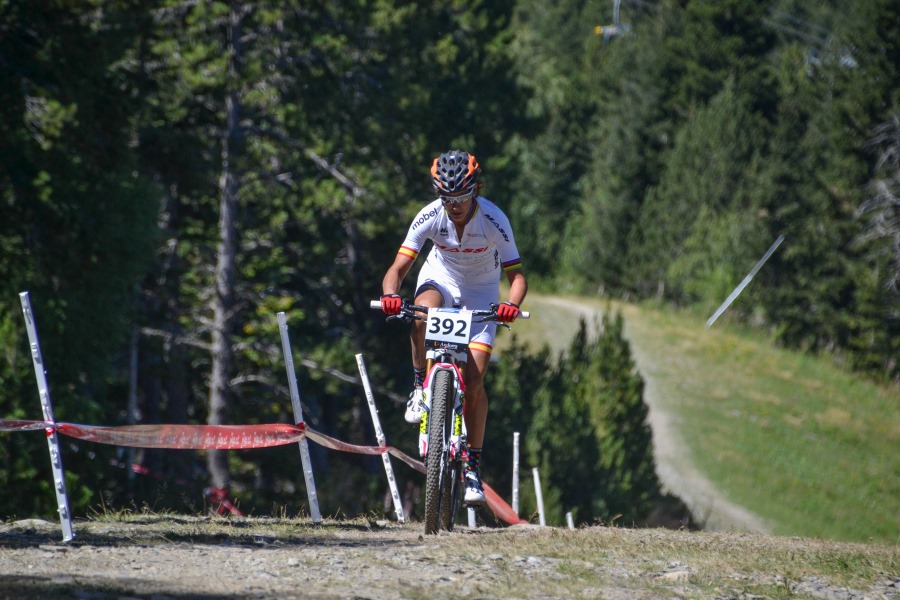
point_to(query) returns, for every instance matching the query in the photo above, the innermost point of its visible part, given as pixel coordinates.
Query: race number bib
(448, 327)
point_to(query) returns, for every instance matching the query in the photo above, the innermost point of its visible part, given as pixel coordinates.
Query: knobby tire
(438, 472)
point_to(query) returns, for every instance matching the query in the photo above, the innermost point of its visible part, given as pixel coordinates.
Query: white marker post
(59, 476)
(569, 520)
(298, 417)
(515, 473)
(743, 284)
(539, 495)
(379, 436)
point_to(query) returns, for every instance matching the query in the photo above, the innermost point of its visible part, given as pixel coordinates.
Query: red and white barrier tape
(219, 497)
(230, 437)
(500, 508)
(24, 425)
(203, 437)
(186, 437)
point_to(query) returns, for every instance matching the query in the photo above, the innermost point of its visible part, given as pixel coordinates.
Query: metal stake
(59, 476)
(540, 496)
(379, 435)
(298, 417)
(515, 473)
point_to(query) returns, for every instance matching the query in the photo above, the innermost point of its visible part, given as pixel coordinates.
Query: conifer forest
(174, 173)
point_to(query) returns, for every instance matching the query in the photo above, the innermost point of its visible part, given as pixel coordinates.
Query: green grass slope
(795, 439)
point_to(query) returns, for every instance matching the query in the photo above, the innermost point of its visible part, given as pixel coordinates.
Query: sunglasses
(456, 200)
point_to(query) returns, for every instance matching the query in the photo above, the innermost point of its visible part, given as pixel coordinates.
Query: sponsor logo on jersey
(462, 250)
(424, 217)
(497, 225)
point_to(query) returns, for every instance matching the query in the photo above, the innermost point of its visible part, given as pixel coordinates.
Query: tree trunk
(223, 299)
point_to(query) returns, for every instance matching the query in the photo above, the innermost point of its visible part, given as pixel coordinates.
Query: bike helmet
(455, 173)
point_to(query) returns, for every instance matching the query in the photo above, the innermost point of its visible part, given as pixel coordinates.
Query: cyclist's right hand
(391, 304)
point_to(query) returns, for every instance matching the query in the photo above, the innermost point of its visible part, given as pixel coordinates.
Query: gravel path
(167, 557)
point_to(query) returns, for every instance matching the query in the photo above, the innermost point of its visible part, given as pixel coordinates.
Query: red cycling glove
(506, 312)
(391, 303)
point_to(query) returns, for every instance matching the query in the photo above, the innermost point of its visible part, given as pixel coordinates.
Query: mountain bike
(442, 430)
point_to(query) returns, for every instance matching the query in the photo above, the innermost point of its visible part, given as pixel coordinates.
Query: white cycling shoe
(415, 406)
(474, 489)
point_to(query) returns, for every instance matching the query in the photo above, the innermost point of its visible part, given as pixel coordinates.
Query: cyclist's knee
(429, 296)
(474, 380)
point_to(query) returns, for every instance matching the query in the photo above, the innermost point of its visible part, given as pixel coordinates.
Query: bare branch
(171, 338)
(345, 180)
(881, 210)
(251, 378)
(350, 379)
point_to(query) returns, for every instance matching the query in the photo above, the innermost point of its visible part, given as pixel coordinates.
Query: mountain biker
(472, 245)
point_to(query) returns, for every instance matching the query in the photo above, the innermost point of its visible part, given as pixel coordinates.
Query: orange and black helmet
(455, 173)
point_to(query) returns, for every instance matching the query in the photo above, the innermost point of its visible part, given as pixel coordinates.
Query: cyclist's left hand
(507, 312)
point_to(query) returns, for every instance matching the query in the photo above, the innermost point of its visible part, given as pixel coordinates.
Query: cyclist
(472, 245)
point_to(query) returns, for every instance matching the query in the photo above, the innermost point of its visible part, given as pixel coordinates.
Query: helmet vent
(455, 172)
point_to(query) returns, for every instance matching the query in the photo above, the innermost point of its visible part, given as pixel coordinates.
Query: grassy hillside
(800, 442)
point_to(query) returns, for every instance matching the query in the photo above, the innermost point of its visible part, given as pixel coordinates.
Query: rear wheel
(438, 496)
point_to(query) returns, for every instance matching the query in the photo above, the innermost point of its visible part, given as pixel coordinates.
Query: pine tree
(562, 442)
(77, 231)
(630, 484)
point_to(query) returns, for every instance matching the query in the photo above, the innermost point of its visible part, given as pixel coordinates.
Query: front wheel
(438, 472)
(452, 495)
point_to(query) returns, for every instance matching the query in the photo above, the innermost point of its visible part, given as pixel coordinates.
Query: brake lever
(404, 317)
(493, 319)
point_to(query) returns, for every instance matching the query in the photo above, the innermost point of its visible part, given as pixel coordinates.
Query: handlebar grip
(524, 314)
(376, 304)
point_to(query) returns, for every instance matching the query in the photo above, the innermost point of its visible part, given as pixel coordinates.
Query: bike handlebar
(410, 310)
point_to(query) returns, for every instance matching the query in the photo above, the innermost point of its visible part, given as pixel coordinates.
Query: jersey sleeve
(505, 242)
(419, 232)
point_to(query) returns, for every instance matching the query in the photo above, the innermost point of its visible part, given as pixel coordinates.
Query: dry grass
(270, 557)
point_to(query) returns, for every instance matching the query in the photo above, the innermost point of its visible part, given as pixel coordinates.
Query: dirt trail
(179, 557)
(673, 464)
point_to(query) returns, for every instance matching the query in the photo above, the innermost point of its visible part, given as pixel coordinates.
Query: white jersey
(487, 247)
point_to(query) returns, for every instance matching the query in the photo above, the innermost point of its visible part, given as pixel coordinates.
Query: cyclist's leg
(479, 355)
(480, 347)
(476, 398)
(476, 419)
(433, 293)
(425, 296)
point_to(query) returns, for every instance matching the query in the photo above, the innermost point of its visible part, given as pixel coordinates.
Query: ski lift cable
(780, 14)
(787, 29)
(779, 20)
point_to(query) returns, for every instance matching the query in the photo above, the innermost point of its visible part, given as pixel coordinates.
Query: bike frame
(437, 362)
